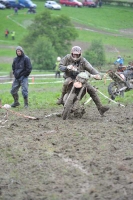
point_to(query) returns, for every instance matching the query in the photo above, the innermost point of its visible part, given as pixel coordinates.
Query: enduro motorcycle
(31, 10)
(119, 86)
(71, 100)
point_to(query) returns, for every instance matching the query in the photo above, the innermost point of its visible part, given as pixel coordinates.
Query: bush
(43, 54)
(96, 54)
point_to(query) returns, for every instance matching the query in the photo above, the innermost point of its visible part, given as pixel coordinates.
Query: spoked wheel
(113, 90)
(68, 106)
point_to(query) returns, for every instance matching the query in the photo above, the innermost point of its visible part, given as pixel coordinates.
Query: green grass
(7, 51)
(41, 96)
(5, 68)
(44, 96)
(109, 18)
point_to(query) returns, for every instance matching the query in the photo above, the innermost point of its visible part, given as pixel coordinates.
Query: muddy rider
(127, 74)
(119, 63)
(75, 59)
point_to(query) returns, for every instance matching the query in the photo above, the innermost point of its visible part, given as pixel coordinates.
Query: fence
(32, 78)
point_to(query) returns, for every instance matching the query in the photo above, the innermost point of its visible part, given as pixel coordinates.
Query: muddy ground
(76, 159)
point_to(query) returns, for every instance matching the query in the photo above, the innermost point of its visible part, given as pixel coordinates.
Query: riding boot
(60, 100)
(26, 102)
(16, 103)
(102, 109)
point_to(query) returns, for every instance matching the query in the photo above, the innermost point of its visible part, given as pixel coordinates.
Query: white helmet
(58, 59)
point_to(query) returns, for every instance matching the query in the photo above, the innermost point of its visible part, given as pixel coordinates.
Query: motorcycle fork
(69, 94)
(80, 93)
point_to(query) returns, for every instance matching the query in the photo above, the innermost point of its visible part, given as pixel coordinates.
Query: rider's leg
(92, 92)
(125, 77)
(128, 76)
(122, 76)
(64, 90)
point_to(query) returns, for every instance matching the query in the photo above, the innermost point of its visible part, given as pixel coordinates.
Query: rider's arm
(63, 64)
(94, 73)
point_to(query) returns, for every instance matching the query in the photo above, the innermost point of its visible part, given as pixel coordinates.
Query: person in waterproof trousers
(75, 59)
(21, 68)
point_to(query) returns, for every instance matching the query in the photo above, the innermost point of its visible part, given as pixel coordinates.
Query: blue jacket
(119, 61)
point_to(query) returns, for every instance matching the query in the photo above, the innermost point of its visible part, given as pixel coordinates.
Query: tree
(59, 30)
(43, 54)
(96, 54)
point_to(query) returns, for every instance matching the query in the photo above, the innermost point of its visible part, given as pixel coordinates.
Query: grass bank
(44, 93)
(113, 25)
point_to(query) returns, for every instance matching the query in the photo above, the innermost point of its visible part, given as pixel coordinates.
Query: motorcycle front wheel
(112, 90)
(68, 106)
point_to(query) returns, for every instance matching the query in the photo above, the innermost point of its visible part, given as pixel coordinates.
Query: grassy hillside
(113, 25)
(120, 0)
(104, 24)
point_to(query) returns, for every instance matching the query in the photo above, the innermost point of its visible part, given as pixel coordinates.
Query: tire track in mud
(69, 160)
(73, 163)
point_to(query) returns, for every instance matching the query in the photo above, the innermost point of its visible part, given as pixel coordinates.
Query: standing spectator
(57, 70)
(21, 68)
(96, 2)
(6, 33)
(13, 35)
(16, 10)
(100, 3)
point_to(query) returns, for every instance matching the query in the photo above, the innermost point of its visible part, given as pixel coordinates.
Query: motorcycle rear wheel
(68, 106)
(112, 90)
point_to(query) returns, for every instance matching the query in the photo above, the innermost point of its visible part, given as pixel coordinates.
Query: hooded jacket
(21, 64)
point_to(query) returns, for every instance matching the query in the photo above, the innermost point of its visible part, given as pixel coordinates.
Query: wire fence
(32, 78)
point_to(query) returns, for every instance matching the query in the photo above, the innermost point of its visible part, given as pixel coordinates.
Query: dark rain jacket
(21, 65)
(81, 65)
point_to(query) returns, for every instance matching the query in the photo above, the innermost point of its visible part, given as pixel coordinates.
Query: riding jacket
(82, 65)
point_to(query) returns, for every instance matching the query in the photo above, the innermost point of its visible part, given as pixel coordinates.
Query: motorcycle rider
(119, 63)
(75, 60)
(127, 74)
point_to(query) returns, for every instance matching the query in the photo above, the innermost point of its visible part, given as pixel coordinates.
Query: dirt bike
(76, 91)
(119, 86)
(31, 10)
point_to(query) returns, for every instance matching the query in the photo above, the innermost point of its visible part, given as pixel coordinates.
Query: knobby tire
(111, 88)
(68, 106)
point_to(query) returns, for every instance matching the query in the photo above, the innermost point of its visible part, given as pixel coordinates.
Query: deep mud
(76, 159)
